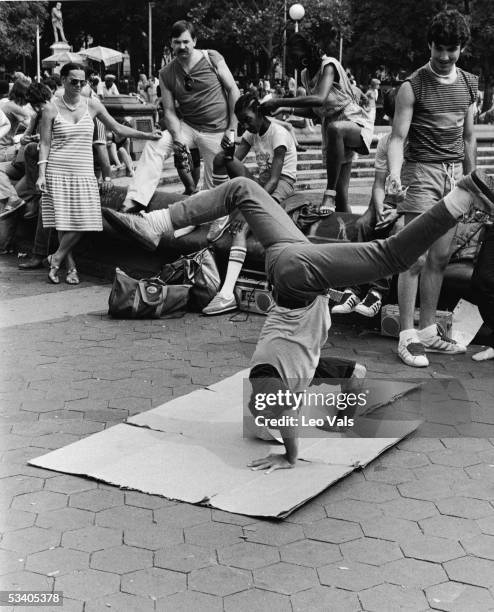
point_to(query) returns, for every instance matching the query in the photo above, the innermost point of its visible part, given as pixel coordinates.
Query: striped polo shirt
(436, 130)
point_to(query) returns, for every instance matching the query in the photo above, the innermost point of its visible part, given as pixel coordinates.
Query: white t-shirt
(102, 90)
(264, 146)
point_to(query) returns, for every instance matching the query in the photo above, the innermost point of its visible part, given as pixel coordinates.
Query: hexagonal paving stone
(464, 507)
(389, 528)
(483, 471)
(413, 573)
(429, 548)
(88, 584)
(153, 536)
(15, 519)
(190, 601)
(58, 561)
(454, 458)
(182, 515)
(480, 546)
(333, 530)
(219, 580)
(310, 553)
(475, 489)
(373, 492)
(389, 598)
(65, 518)
(456, 597)
(371, 551)
(40, 501)
(285, 578)
(256, 599)
(275, 534)
(96, 499)
(93, 538)
(324, 599)
(25, 581)
(450, 527)
(409, 509)
(307, 514)
(388, 474)
(428, 489)
(122, 559)
(31, 539)
(220, 516)
(478, 572)
(350, 575)
(121, 602)
(69, 484)
(353, 510)
(125, 517)
(248, 555)
(154, 582)
(213, 534)
(11, 561)
(486, 525)
(15, 485)
(184, 557)
(144, 500)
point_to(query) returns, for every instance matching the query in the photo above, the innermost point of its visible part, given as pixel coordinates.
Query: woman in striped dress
(70, 197)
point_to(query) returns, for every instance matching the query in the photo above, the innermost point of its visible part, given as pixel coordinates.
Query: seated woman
(346, 126)
(14, 107)
(276, 158)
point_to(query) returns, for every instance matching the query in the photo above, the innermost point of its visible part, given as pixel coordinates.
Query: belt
(293, 303)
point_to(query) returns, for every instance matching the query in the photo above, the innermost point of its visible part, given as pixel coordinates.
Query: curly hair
(38, 93)
(449, 28)
(248, 101)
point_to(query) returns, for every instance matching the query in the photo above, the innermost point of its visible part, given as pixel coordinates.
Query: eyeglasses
(75, 82)
(188, 82)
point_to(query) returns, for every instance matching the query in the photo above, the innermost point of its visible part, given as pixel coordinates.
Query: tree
(18, 28)
(482, 45)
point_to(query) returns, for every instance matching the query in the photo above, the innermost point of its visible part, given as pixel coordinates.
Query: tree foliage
(18, 28)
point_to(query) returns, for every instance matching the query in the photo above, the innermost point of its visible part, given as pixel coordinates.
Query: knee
(437, 262)
(219, 161)
(332, 131)
(417, 266)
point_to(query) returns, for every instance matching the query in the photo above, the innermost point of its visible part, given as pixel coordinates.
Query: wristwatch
(107, 179)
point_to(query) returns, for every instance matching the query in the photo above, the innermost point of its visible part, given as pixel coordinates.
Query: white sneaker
(220, 305)
(370, 305)
(484, 355)
(439, 342)
(412, 353)
(218, 228)
(347, 304)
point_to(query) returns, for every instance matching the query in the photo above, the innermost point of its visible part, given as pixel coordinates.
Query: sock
(219, 179)
(428, 332)
(235, 263)
(458, 202)
(160, 221)
(409, 335)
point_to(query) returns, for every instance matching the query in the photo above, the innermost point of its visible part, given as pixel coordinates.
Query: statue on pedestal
(57, 22)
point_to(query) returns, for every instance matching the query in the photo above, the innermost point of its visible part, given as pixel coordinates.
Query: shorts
(427, 183)
(284, 188)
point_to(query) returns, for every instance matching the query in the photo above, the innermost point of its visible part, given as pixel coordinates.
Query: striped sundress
(71, 201)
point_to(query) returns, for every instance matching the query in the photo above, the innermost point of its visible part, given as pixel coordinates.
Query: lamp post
(150, 38)
(296, 13)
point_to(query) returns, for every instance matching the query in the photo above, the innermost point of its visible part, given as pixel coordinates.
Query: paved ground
(412, 531)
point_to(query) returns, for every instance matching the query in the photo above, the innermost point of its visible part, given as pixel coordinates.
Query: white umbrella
(102, 54)
(62, 57)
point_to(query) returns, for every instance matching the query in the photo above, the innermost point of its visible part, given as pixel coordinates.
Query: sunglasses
(75, 82)
(188, 82)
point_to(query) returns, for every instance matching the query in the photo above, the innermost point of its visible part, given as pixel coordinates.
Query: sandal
(53, 272)
(327, 206)
(72, 277)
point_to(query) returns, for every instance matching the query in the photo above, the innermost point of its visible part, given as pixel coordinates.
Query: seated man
(301, 273)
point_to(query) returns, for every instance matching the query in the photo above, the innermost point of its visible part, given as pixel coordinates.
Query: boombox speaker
(390, 320)
(252, 292)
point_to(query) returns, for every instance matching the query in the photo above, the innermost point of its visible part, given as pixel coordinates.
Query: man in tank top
(434, 110)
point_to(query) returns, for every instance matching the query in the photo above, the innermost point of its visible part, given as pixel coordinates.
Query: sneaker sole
(114, 220)
(219, 235)
(366, 313)
(412, 364)
(222, 311)
(432, 350)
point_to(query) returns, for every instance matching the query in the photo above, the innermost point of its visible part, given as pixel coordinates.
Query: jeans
(148, 171)
(299, 270)
(482, 282)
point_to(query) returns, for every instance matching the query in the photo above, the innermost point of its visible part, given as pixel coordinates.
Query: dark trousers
(482, 282)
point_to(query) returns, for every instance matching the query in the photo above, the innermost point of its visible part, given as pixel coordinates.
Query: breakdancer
(300, 273)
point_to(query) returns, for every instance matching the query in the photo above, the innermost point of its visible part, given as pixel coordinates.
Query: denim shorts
(426, 184)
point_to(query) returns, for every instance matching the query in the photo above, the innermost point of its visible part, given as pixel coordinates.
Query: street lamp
(296, 13)
(150, 38)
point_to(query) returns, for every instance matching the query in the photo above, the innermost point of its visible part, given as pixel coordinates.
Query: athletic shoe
(220, 304)
(347, 304)
(370, 305)
(481, 187)
(412, 353)
(484, 355)
(134, 226)
(218, 228)
(440, 343)
(12, 207)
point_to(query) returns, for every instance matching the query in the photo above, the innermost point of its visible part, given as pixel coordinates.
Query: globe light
(296, 12)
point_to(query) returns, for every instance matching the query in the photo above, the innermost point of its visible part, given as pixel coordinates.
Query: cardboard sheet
(193, 449)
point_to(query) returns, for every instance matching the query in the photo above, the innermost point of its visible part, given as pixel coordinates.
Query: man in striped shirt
(434, 110)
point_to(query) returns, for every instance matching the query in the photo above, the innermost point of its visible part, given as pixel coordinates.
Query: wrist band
(43, 161)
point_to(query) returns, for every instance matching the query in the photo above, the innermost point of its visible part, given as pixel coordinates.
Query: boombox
(252, 292)
(390, 320)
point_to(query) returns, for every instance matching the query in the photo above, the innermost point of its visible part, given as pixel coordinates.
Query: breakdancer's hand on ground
(271, 462)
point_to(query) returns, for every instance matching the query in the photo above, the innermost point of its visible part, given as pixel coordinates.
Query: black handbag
(199, 270)
(148, 298)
